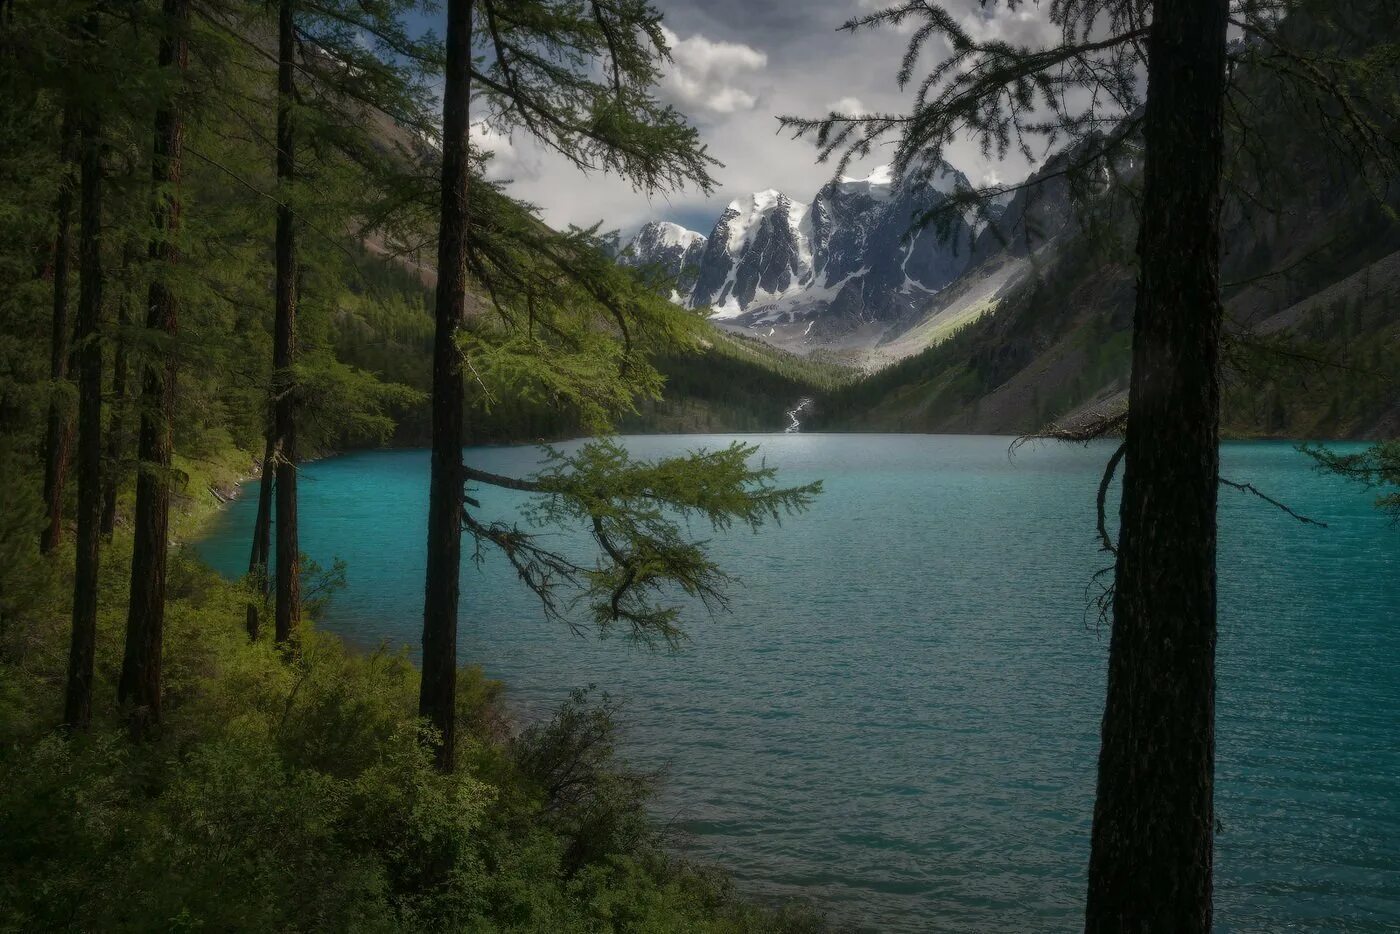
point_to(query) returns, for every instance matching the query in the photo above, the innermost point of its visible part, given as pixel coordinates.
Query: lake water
(898, 720)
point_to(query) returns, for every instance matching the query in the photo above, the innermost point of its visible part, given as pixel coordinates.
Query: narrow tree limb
(508, 483)
(1109, 470)
(1251, 488)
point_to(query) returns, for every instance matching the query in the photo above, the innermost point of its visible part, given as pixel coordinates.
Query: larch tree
(35, 168)
(1150, 866)
(139, 688)
(287, 612)
(58, 435)
(343, 95)
(560, 321)
(1377, 468)
(1151, 860)
(116, 423)
(180, 197)
(437, 698)
(77, 710)
(261, 549)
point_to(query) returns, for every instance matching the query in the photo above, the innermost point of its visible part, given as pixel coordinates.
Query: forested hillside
(727, 383)
(1312, 352)
(736, 383)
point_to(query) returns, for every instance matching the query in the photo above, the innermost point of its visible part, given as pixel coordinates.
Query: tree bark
(139, 688)
(437, 699)
(58, 435)
(288, 611)
(262, 538)
(77, 708)
(116, 422)
(1151, 860)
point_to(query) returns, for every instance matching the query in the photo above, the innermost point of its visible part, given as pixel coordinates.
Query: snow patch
(878, 185)
(728, 309)
(669, 234)
(753, 209)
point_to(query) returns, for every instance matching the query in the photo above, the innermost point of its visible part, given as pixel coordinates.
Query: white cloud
(851, 106)
(508, 161)
(709, 75)
(741, 64)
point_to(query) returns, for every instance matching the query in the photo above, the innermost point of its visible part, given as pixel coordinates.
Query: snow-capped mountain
(669, 248)
(760, 251)
(879, 269)
(839, 268)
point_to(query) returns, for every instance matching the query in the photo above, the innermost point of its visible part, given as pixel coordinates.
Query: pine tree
(140, 684)
(287, 612)
(59, 434)
(77, 710)
(1377, 468)
(438, 691)
(565, 323)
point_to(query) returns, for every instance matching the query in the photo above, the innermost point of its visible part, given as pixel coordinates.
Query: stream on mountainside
(792, 414)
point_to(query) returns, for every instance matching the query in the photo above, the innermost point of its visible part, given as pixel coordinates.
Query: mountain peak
(840, 262)
(673, 249)
(747, 214)
(665, 233)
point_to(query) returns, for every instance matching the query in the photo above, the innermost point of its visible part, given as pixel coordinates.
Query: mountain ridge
(841, 269)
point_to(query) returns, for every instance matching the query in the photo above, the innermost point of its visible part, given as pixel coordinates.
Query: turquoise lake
(898, 719)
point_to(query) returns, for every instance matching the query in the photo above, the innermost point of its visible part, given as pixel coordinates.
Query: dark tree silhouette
(140, 684)
(261, 551)
(116, 422)
(287, 613)
(58, 436)
(437, 694)
(77, 709)
(1154, 819)
(1150, 868)
(540, 78)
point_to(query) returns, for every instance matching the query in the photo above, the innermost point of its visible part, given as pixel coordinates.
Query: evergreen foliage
(293, 790)
(1377, 467)
(298, 797)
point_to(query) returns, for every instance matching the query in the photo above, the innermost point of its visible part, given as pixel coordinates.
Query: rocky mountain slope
(841, 270)
(1006, 326)
(1035, 334)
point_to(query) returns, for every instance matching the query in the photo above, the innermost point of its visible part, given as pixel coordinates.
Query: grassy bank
(295, 795)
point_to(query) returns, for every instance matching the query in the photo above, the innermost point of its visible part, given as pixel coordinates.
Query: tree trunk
(437, 699)
(77, 709)
(139, 688)
(58, 436)
(116, 422)
(262, 538)
(1151, 860)
(288, 612)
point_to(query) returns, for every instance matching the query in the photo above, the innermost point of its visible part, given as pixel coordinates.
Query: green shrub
(295, 794)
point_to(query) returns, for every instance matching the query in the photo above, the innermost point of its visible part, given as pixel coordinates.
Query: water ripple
(899, 720)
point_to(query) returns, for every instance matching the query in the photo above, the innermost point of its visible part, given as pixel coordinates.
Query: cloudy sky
(737, 64)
